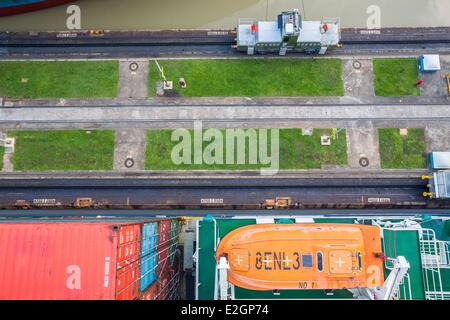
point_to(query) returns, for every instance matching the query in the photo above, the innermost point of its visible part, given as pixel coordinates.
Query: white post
(160, 70)
(392, 283)
(223, 278)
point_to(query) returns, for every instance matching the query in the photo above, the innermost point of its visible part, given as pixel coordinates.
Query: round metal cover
(129, 162)
(356, 64)
(363, 162)
(134, 66)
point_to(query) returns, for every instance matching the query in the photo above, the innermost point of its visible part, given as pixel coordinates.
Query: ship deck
(396, 242)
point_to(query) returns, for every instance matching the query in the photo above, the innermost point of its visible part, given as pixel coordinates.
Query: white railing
(438, 295)
(444, 253)
(403, 291)
(434, 255)
(430, 254)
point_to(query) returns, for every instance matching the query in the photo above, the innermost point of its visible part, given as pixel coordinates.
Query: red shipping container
(129, 244)
(163, 261)
(68, 260)
(164, 285)
(176, 265)
(127, 282)
(163, 234)
(151, 293)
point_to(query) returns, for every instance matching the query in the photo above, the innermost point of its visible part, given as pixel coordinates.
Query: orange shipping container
(69, 260)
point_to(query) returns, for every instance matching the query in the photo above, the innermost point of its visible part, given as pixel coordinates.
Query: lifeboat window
(359, 261)
(307, 261)
(319, 261)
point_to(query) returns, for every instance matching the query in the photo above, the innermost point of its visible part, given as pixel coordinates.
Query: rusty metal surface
(227, 195)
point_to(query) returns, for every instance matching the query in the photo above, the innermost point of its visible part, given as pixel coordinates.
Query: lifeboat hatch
(341, 262)
(240, 260)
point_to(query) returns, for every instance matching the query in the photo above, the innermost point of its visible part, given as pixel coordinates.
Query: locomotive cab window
(307, 260)
(319, 261)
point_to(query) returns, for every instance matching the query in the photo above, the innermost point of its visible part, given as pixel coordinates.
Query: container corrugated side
(148, 273)
(127, 282)
(149, 256)
(151, 293)
(163, 234)
(149, 238)
(163, 261)
(173, 243)
(68, 260)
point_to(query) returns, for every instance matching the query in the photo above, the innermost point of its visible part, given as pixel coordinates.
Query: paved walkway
(225, 101)
(438, 138)
(435, 83)
(215, 174)
(221, 116)
(362, 142)
(7, 162)
(133, 82)
(358, 77)
(7, 157)
(130, 144)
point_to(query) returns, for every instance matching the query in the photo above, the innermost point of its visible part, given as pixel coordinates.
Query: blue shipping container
(149, 257)
(149, 265)
(149, 238)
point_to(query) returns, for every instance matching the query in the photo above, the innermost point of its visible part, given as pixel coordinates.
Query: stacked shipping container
(174, 231)
(164, 260)
(149, 256)
(166, 249)
(84, 260)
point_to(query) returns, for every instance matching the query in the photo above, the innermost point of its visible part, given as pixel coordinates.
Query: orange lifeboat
(303, 256)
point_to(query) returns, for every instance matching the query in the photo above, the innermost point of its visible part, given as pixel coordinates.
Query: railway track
(202, 43)
(208, 37)
(223, 213)
(206, 194)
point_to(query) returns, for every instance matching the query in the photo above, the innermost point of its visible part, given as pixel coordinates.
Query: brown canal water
(220, 14)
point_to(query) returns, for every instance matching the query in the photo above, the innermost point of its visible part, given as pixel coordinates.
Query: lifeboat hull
(303, 256)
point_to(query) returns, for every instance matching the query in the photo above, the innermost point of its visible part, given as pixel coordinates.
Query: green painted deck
(395, 243)
(206, 263)
(205, 248)
(441, 228)
(406, 243)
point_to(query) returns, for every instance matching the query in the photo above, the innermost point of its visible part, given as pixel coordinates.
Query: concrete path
(221, 116)
(225, 101)
(437, 138)
(7, 162)
(133, 83)
(362, 142)
(7, 157)
(212, 174)
(435, 83)
(358, 77)
(130, 144)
